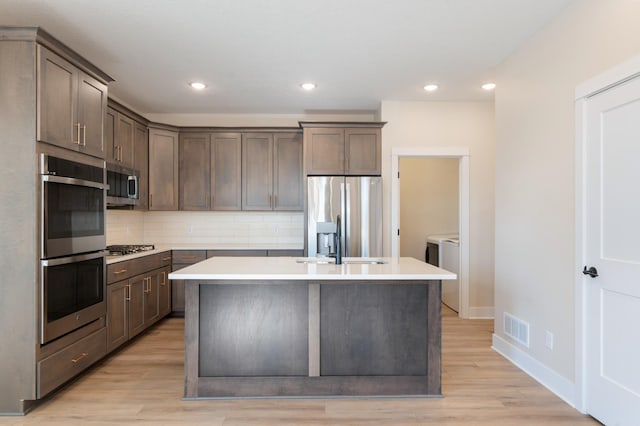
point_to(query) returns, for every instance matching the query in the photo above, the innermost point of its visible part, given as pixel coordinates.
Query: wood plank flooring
(143, 384)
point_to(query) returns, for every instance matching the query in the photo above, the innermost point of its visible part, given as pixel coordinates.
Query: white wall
(535, 168)
(450, 124)
(428, 201)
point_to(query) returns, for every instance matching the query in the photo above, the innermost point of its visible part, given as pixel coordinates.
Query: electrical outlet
(276, 229)
(190, 229)
(548, 339)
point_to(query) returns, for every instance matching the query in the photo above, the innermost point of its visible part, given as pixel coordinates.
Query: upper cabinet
(287, 171)
(210, 171)
(119, 138)
(163, 169)
(71, 105)
(226, 171)
(272, 171)
(342, 148)
(141, 163)
(195, 171)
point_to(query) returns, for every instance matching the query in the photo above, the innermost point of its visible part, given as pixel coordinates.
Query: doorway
(415, 247)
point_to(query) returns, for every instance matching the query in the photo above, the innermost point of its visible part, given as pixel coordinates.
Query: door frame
(607, 80)
(462, 154)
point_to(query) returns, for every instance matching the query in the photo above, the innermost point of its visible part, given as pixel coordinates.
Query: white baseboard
(481, 312)
(556, 383)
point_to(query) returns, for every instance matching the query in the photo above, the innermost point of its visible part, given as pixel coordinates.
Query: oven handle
(73, 259)
(73, 181)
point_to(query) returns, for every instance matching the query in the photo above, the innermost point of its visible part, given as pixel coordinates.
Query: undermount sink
(345, 261)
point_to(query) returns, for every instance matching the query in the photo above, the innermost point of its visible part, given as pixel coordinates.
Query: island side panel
(191, 338)
(373, 329)
(434, 340)
(254, 330)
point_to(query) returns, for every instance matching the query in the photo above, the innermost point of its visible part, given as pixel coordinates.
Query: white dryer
(443, 251)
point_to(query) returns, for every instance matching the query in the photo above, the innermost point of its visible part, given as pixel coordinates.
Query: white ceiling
(253, 54)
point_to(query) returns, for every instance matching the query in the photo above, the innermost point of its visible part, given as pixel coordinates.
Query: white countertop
(287, 268)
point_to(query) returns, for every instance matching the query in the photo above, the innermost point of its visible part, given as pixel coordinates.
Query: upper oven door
(73, 216)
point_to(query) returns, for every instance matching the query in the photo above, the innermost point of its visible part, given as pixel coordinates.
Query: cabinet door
(151, 299)
(362, 151)
(257, 171)
(195, 171)
(226, 171)
(92, 106)
(124, 140)
(141, 163)
(110, 134)
(324, 151)
(177, 296)
(117, 314)
(137, 286)
(163, 170)
(287, 172)
(56, 101)
(164, 292)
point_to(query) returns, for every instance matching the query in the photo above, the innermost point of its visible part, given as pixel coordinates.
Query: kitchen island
(286, 327)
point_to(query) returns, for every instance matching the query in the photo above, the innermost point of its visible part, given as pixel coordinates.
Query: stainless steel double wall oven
(72, 244)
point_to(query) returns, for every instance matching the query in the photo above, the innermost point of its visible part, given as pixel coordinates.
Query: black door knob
(592, 272)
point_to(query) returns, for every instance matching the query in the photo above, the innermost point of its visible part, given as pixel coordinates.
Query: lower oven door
(73, 293)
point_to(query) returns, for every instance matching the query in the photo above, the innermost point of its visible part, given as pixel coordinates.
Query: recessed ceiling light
(308, 86)
(489, 86)
(198, 85)
(431, 87)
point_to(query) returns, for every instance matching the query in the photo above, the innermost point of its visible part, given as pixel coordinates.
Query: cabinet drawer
(189, 256)
(119, 271)
(70, 361)
(286, 253)
(165, 259)
(244, 253)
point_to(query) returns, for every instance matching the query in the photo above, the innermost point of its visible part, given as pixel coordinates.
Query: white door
(612, 246)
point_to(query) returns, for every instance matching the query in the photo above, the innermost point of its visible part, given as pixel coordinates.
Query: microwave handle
(73, 181)
(132, 193)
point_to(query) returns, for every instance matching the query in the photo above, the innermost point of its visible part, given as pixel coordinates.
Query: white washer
(443, 251)
(450, 260)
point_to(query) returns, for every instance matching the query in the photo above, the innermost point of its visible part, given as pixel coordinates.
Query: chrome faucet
(338, 241)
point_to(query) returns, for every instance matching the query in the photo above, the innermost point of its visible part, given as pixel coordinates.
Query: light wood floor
(143, 384)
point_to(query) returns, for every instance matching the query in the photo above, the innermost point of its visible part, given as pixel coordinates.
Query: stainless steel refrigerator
(358, 201)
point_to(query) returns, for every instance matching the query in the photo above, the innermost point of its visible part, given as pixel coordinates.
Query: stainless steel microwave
(123, 186)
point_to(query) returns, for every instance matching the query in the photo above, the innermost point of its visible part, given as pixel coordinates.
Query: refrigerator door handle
(347, 220)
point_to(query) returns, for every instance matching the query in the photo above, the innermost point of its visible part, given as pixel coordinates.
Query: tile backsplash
(237, 228)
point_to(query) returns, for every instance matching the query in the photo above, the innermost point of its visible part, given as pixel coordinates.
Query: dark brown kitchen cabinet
(210, 171)
(271, 171)
(71, 105)
(257, 171)
(195, 171)
(182, 259)
(117, 315)
(226, 171)
(119, 138)
(163, 169)
(141, 163)
(287, 171)
(138, 295)
(164, 291)
(348, 149)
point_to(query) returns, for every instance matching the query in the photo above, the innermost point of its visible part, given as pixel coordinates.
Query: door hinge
(398, 232)
(398, 175)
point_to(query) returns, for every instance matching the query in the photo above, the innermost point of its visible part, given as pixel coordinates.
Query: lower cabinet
(135, 303)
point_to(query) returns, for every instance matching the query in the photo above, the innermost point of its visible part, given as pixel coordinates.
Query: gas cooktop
(121, 250)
